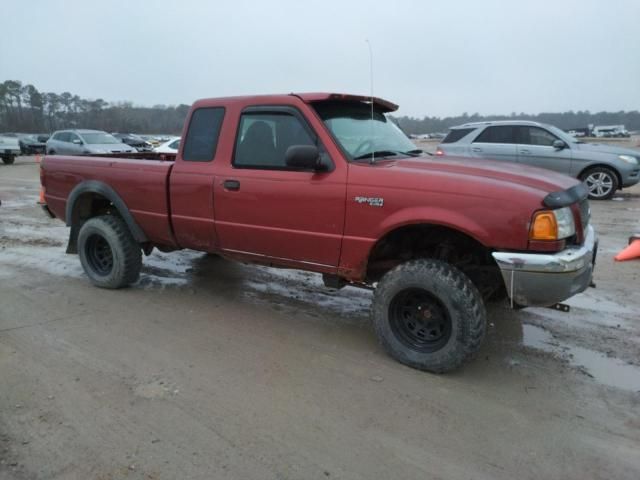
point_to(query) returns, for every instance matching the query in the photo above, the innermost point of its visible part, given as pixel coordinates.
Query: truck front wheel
(9, 160)
(428, 315)
(109, 254)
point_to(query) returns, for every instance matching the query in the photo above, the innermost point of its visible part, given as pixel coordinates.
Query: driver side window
(62, 137)
(263, 139)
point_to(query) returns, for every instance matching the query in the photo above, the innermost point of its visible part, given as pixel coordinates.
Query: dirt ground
(207, 369)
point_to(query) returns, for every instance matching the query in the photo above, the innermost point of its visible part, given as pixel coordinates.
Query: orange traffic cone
(631, 252)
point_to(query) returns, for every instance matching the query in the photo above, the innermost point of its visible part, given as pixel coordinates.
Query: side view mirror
(77, 141)
(559, 144)
(304, 157)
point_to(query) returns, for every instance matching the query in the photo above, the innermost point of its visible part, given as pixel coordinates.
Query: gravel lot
(208, 369)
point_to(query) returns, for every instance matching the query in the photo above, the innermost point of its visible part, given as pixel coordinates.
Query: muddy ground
(208, 369)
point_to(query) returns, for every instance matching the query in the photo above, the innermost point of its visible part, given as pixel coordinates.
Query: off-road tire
(109, 232)
(8, 160)
(604, 173)
(454, 293)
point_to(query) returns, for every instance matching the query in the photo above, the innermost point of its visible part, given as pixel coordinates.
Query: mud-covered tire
(8, 160)
(448, 295)
(109, 254)
(601, 182)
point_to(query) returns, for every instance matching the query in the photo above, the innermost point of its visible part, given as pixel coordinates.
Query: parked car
(319, 182)
(83, 142)
(135, 141)
(610, 131)
(170, 146)
(9, 148)
(31, 143)
(604, 168)
(154, 140)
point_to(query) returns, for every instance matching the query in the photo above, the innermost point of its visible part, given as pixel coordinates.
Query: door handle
(476, 149)
(231, 185)
(525, 151)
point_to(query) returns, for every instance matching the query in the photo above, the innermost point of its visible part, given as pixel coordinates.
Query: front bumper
(538, 279)
(631, 179)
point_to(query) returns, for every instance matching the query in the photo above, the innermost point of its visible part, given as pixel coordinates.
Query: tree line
(565, 120)
(23, 108)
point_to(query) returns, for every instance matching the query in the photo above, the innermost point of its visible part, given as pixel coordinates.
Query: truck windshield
(99, 138)
(360, 134)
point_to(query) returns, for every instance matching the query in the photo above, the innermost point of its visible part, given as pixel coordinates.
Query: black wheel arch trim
(104, 190)
(567, 197)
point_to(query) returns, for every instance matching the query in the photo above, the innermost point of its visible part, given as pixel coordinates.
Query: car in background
(604, 168)
(31, 143)
(170, 146)
(85, 142)
(610, 131)
(577, 133)
(153, 140)
(135, 141)
(9, 148)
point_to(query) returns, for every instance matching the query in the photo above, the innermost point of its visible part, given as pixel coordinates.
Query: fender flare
(104, 190)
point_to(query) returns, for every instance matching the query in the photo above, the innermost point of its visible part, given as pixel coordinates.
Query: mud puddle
(606, 370)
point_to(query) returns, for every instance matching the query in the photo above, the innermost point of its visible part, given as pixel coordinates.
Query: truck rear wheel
(109, 254)
(428, 315)
(8, 160)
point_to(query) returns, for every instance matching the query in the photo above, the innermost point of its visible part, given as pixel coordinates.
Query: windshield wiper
(388, 153)
(416, 152)
(377, 153)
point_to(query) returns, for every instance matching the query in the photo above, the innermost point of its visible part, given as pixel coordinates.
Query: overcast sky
(431, 57)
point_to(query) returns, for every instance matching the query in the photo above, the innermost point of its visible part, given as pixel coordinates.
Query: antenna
(371, 86)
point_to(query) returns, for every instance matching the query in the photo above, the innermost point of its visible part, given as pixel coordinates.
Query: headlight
(552, 224)
(629, 159)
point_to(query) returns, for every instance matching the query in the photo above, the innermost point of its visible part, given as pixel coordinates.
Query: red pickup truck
(328, 183)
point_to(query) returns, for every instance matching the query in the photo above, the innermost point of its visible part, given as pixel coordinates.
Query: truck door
(535, 147)
(192, 179)
(264, 208)
(496, 143)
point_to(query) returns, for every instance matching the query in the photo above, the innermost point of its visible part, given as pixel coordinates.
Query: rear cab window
(202, 136)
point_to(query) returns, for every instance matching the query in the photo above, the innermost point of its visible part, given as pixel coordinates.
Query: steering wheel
(361, 148)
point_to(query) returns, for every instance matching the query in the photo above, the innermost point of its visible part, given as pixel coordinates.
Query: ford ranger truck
(327, 183)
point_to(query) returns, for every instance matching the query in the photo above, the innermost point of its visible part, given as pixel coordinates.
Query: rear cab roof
(312, 97)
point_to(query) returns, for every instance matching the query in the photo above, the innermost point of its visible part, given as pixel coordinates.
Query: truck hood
(603, 148)
(540, 179)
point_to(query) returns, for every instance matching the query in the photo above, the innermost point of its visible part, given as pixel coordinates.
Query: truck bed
(139, 179)
(167, 157)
